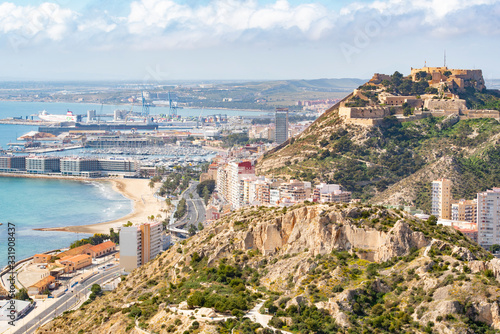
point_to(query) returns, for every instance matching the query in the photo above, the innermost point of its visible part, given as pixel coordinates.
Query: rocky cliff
(328, 267)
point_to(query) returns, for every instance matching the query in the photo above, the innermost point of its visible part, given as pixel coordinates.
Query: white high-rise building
(139, 244)
(441, 198)
(488, 218)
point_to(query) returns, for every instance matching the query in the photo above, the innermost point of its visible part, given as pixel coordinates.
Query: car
(101, 268)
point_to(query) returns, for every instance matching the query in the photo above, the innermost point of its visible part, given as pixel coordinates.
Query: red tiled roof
(102, 246)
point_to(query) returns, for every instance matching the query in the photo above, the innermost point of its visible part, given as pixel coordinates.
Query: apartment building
(139, 244)
(80, 166)
(464, 210)
(295, 191)
(42, 164)
(10, 163)
(441, 198)
(488, 217)
(330, 193)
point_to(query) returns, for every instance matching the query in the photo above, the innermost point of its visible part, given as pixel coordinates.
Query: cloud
(169, 24)
(46, 21)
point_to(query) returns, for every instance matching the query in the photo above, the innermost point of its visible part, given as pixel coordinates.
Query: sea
(9, 133)
(36, 203)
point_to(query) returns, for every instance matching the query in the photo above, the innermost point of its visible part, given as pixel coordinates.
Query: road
(195, 208)
(65, 302)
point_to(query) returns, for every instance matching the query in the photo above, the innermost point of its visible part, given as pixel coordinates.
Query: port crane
(172, 112)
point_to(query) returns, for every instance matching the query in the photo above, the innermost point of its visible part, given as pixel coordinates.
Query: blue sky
(159, 40)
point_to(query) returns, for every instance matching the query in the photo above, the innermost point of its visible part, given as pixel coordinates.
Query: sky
(162, 40)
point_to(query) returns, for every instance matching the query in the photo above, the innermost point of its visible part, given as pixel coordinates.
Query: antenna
(445, 58)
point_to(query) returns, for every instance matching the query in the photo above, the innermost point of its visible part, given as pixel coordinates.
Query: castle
(373, 101)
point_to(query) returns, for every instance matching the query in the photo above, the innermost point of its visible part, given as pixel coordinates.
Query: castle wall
(363, 112)
(448, 106)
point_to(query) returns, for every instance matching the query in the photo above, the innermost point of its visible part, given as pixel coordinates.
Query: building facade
(42, 164)
(441, 198)
(10, 163)
(488, 217)
(330, 193)
(464, 210)
(281, 128)
(139, 244)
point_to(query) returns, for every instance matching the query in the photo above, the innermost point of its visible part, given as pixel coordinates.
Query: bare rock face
(488, 313)
(311, 228)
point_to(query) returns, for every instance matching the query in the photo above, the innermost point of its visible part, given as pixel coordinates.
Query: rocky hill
(394, 162)
(317, 269)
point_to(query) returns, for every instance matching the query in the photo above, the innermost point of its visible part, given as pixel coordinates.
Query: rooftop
(102, 246)
(44, 282)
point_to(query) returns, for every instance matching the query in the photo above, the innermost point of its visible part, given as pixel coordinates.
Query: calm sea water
(37, 203)
(34, 203)
(9, 133)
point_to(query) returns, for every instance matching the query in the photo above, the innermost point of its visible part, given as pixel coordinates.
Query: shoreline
(144, 204)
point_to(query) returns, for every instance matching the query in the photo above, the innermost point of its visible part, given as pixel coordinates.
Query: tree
(200, 226)
(192, 230)
(96, 288)
(432, 220)
(206, 195)
(495, 248)
(22, 294)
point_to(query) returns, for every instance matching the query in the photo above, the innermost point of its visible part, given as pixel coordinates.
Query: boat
(69, 117)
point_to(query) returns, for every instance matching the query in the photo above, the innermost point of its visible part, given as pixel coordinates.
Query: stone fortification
(456, 106)
(457, 79)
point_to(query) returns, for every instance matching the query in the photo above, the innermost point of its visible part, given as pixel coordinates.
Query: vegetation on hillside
(399, 295)
(96, 239)
(486, 99)
(368, 161)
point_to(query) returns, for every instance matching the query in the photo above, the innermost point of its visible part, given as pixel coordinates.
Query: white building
(441, 198)
(331, 193)
(139, 244)
(488, 217)
(14, 307)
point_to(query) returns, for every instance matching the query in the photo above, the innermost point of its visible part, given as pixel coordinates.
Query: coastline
(137, 190)
(144, 205)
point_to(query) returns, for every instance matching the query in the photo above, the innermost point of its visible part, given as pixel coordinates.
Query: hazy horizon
(242, 40)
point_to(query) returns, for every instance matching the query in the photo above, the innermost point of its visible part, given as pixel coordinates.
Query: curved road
(195, 208)
(65, 302)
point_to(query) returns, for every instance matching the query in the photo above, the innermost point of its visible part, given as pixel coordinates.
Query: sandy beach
(145, 205)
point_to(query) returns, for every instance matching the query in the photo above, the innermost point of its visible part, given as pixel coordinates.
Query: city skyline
(162, 40)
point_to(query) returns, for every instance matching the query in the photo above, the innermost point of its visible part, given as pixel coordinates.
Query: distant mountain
(334, 85)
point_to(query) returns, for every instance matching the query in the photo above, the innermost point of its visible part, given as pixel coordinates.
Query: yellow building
(40, 286)
(73, 263)
(42, 258)
(441, 198)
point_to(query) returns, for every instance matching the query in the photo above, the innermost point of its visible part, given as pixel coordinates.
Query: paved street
(195, 208)
(63, 303)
